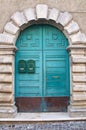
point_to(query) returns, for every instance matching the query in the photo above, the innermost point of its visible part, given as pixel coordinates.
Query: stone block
(64, 18)
(79, 60)
(77, 52)
(42, 11)
(79, 96)
(8, 112)
(19, 19)
(6, 38)
(53, 14)
(5, 97)
(78, 38)
(30, 14)
(79, 88)
(7, 51)
(79, 78)
(15, 38)
(76, 112)
(5, 68)
(6, 59)
(11, 28)
(78, 55)
(79, 68)
(7, 88)
(6, 78)
(79, 104)
(72, 27)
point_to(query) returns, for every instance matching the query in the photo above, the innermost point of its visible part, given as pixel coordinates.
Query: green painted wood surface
(46, 45)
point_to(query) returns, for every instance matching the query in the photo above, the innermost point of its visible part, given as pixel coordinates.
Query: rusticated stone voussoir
(7, 39)
(19, 19)
(11, 28)
(64, 18)
(53, 14)
(72, 27)
(78, 38)
(42, 12)
(30, 14)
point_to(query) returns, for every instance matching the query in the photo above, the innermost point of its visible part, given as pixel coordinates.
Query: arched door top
(42, 14)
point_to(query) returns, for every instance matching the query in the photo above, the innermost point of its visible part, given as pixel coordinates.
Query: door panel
(29, 84)
(55, 83)
(30, 39)
(28, 104)
(47, 89)
(56, 79)
(56, 104)
(53, 39)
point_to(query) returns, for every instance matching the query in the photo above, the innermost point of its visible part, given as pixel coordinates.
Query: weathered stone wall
(76, 7)
(77, 46)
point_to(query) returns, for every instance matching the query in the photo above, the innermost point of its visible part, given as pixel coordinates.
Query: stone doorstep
(38, 117)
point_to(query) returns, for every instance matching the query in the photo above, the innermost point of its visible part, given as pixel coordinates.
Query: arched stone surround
(77, 50)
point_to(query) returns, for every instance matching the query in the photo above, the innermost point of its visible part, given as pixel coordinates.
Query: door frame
(77, 50)
(59, 96)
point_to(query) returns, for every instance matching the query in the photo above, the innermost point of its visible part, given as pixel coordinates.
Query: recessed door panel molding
(53, 39)
(27, 41)
(46, 77)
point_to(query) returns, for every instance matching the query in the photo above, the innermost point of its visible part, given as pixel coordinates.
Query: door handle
(56, 77)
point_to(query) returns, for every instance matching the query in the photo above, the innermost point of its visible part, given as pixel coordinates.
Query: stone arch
(77, 40)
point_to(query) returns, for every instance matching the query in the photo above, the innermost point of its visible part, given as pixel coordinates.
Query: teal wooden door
(47, 87)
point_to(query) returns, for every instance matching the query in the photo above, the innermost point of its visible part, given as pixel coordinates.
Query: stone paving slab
(71, 125)
(42, 117)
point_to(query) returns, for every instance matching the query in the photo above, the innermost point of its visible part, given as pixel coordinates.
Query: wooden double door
(42, 70)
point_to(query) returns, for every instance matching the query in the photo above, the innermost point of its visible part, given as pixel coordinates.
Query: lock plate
(31, 66)
(22, 66)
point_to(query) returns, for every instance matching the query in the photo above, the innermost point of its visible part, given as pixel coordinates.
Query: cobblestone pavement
(71, 125)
